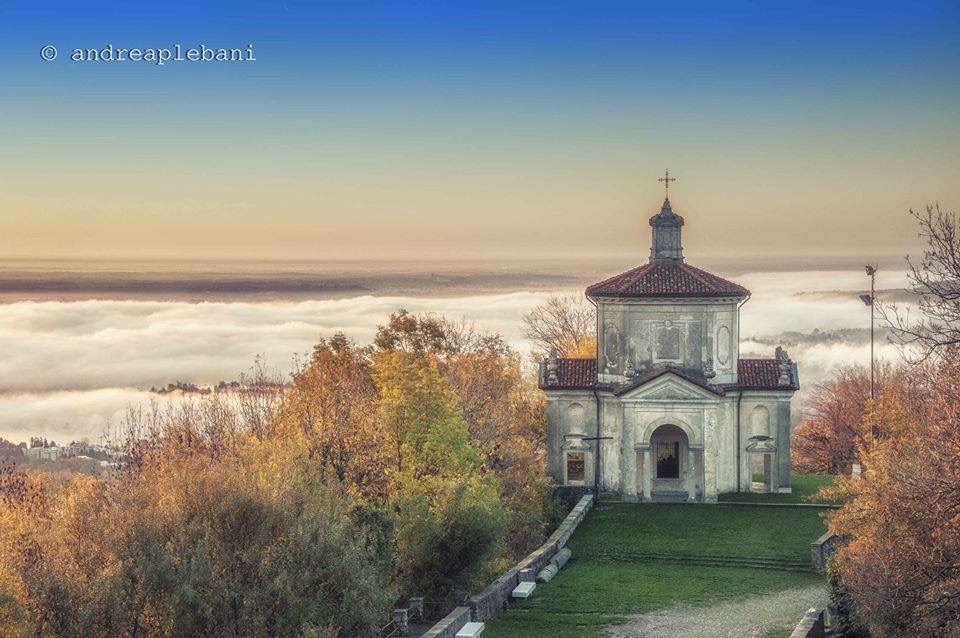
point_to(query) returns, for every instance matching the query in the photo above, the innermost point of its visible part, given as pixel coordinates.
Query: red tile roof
(675, 279)
(753, 374)
(572, 374)
(762, 374)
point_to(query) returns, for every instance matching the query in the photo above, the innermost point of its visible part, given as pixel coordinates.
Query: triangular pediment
(669, 387)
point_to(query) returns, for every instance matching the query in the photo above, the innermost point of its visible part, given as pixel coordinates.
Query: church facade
(668, 411)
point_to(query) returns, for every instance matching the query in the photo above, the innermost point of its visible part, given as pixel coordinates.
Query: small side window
(575, 467)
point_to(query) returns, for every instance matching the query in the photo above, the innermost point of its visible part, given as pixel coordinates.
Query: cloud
(90, 345)
(70, 367)
(65, 416)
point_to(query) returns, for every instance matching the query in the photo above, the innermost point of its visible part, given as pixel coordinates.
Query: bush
(246, 545)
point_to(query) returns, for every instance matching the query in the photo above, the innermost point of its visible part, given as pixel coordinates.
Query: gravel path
(744, 618)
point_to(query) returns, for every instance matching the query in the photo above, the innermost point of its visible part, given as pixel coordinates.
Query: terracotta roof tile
(572, 374)
(762, 374)
(666, 280)
(753, 374)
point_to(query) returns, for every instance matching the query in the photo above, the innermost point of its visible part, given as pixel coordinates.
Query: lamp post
(870, 300)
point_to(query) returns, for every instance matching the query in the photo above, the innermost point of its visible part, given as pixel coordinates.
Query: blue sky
(436, 129)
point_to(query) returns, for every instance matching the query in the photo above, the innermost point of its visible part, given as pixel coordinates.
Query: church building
(668, 411)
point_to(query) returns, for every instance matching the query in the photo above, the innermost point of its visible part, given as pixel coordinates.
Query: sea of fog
(68, 368)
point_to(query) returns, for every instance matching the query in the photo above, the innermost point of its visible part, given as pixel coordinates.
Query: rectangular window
(575, 467)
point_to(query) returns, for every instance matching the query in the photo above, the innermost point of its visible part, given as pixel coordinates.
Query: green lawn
(697, 530)
(804, 487)
(615, 570)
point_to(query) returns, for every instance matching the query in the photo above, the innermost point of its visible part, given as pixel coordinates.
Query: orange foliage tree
(902, 564)
(827, 442)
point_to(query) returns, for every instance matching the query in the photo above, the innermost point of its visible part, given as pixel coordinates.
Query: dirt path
(744, 618)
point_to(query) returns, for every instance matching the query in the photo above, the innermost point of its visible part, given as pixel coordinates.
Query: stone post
(691, 475)
(402, 619)
(416, 608)
(710, 458)
(638, 478)
(768, 483)
(647, 476)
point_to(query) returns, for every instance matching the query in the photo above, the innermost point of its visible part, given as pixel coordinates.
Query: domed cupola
(667, 247)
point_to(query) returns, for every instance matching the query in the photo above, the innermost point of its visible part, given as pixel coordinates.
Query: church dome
(666, 217)
(666, 274)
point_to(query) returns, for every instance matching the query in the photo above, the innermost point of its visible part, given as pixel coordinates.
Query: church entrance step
(669, 497)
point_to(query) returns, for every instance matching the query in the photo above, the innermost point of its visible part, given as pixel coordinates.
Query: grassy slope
(603, 584)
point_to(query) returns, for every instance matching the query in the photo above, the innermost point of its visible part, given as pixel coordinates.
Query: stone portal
(671, 465)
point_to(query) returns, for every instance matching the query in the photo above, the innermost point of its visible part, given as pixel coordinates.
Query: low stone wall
(822, 549)
(810, 626)
(491, 601)
(450, 625)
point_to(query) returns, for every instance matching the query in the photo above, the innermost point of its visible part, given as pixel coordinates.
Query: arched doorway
(669, 448)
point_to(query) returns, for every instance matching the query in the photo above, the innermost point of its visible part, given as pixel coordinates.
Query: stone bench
(470, 630)
(524, 590)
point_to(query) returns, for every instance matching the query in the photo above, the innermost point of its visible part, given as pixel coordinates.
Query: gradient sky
(477, 130)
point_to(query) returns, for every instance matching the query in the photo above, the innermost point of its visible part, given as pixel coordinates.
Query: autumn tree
(449, 516)
(411, 333)
(827, 442)
(564, 325)
(410, 467)
(902, 564)
(935, 279)
(503, 410)
(331, 404)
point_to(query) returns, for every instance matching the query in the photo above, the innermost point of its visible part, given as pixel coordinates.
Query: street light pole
(872, 271)
(870, 300)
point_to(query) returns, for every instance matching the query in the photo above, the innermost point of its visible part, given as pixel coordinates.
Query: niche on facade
(723, 345)
(611, 346)
(576, 418)
(760, 421)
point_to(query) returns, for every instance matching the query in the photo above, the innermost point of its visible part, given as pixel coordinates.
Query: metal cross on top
(666, 179)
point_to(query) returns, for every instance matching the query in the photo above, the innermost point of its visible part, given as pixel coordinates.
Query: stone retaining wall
(491, 601)
(450, 625)
(822, 549)
(810, 626)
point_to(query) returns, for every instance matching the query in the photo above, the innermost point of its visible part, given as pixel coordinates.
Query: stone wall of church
(726, 446)
(766, 414)
(612, 425)
(710, 424)
(637, 335)
(570, 414)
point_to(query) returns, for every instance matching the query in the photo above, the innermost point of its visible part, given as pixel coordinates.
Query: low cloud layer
(102, 344)
(69, 368)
